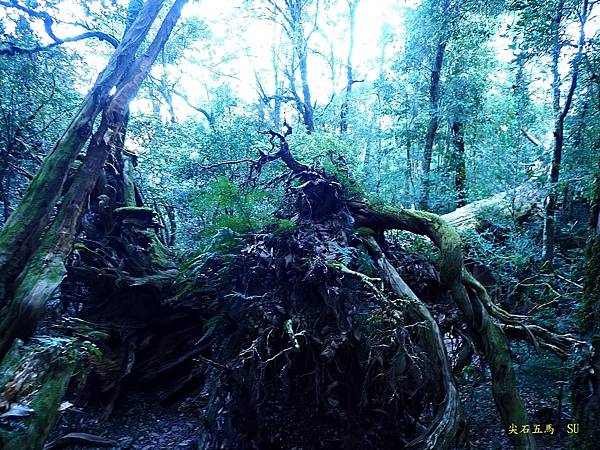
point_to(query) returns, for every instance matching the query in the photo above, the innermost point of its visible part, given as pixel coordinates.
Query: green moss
(283, 226)
(590, 308)
(54, 363)
(11, 362)
(134, 210)
(364, 232)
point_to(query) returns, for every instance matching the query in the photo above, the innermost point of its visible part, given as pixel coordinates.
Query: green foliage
(284, 226)
(510, 255)
(242, 210)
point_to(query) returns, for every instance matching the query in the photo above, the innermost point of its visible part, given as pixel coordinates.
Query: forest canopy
(285, 224)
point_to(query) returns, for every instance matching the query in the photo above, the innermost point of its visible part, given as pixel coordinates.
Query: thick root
(441, 433)
(492, 339)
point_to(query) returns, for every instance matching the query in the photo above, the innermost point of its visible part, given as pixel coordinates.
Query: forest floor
(486, 431)
(140, 422)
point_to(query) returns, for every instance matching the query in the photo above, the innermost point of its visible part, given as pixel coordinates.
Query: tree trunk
(517, 204)
(20, 234)
(586, 384)
(458, 157)
(296, 34)
(352, 4)
(434, 121)
(307, 113)
(560, 116)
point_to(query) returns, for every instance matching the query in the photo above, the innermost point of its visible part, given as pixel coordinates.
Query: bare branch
(209, 115)
(11, 49)
(22, 171)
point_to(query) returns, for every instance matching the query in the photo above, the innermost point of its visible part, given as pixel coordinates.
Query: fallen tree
(517, 204)
(242, 354)
(313, 327)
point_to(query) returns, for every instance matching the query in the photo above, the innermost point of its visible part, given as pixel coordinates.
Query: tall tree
(434, 101)
(560, 111)
(293, 16)
(352, 5)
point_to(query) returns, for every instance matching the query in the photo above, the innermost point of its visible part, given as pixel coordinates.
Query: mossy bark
(34, 376)
(518, 204)
(20, 234)
(586, 383)
(41, 266)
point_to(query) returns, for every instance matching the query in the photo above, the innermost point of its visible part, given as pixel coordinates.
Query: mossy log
(33, 381)
(518, 204)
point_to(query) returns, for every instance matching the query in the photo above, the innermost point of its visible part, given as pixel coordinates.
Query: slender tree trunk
(164, 88)
(296, 34)
(408, 176)
(434, 121)
(561, 113)
(459, 166)
(308, 112)
(352, 4)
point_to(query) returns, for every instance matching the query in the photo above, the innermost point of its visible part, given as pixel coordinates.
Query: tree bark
(352, 5)
(517, 204)
(586, 383)
(458, 157)
(20, 234)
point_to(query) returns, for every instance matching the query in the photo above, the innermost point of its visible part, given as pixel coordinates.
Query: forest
(300, 224)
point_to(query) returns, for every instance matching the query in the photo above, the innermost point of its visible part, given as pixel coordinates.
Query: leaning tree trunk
(517, 204)
(40, 257)
(19, 236)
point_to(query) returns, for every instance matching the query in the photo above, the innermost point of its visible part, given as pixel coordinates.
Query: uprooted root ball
(309, 349)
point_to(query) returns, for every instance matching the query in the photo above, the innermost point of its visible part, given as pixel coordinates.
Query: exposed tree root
(442, 431)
